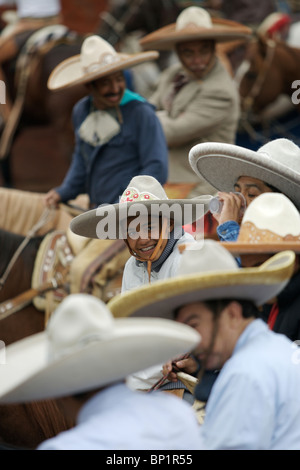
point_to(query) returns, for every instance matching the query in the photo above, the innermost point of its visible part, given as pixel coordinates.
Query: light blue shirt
(119, 419)
(255, 402)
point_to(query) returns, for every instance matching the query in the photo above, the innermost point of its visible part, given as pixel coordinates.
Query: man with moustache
(117, 133)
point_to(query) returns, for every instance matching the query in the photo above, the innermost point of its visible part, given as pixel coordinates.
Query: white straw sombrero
(96, 59)
(270, 224)
(207, 271)
(144, 193)
(194, 23)
(276, 163)
(84, 347)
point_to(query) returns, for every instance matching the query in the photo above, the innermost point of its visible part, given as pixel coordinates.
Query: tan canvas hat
(194, 23)
(143, 194)
(271, 223)
(83, 347)
(96, 59)
(276, 163)
(207, 271)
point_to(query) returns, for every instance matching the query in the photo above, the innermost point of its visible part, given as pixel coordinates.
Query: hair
(274, 190)
(249, 309)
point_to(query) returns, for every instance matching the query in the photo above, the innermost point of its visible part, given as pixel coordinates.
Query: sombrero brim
(186, 211)
(161, 298)
(237, 248)
(70, 73)
(167, 37)
(134, 345)
(222, 164)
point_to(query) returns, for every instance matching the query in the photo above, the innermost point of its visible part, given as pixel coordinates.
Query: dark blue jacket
(103, 172)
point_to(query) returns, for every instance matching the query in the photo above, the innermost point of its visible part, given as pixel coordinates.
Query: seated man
(274, 167)
(196, 98)
(254, 403)
(84, 366)
(151, 225)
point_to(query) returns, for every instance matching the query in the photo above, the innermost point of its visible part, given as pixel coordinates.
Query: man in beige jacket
(196, 98)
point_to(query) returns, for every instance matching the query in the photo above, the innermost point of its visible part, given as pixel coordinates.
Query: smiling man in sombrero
(117, 134)
(196, 98)
(151, 225)
(254, 403)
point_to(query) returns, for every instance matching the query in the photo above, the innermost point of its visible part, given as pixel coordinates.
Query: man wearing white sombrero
(151, 225)
(254, 403)
(272, 224)
(82, 359)
(196, 98)
(117, 134)
(274, 167)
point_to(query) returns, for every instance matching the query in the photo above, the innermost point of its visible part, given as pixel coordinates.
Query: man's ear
(234, 311)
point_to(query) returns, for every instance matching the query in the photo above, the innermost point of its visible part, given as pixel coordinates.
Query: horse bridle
(247, 101)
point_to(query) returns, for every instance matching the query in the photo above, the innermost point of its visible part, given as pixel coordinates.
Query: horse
(267, 81)
(39, 128)
(26, 425)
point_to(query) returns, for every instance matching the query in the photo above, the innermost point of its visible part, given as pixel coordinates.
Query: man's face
(143, 237)
(199, 317)
(196, 56)
(108, 91)
(251, 188)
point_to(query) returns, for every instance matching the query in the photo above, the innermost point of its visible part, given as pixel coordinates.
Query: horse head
(268, 70)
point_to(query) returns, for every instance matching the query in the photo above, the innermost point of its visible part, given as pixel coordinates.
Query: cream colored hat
(194, 23)
(84, 347)
(96, 59)
(207, 271)
(271, 223)
(144, 193)
(276, 163)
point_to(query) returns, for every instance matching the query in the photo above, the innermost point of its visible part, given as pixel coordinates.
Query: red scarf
(273, 315)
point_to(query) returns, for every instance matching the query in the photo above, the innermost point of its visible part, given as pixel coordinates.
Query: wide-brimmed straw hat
(270, 224)
(84, 348)
(194, 23)
(207, 271)
(277, 163)
(144, 194)
(96, 59)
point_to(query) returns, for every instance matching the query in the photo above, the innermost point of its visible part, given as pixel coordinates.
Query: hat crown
(282, 151)
(273, 212)
(78, 320)
(205, 256)
(96, 53)
(143, 188)
(193, 17)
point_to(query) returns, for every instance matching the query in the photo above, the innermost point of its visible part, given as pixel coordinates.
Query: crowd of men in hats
(224, 312)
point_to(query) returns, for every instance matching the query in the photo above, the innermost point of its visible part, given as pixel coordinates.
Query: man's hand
(187, 365)
(232, 208)
(51, 199)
